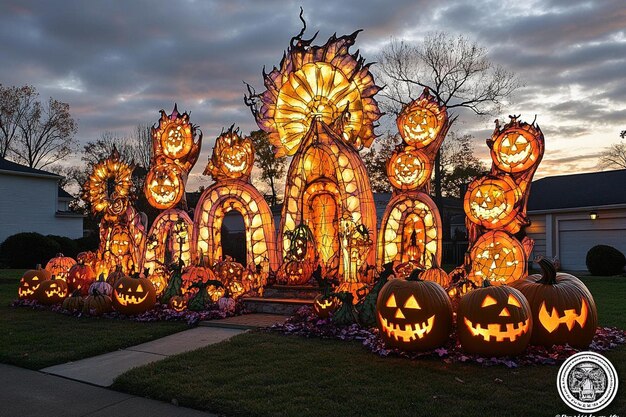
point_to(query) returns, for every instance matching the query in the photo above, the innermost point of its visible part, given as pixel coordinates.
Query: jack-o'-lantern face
(516, 149)
(120, 243)
(497, 257)
(30, 282)
(232, 157)
(177, 303)
(323, 306)
(408, 169)
(490, 201)
(164, 186)
(133, 295)
(564, 310)
(414, 315)
(229, 270)
(301, 242)
(494, 321)
(236, 289)
(297, 272)
(420, 121)
(177, 140)
(215, 292)
(52, 291)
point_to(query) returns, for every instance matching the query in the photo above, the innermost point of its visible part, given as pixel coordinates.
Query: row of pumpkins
(75, 285)
(416, 314)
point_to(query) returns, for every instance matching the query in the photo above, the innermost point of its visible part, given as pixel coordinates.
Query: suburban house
(32, 201)
(572, 213)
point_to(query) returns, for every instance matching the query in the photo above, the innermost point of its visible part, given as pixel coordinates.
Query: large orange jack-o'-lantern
(497, 257)
(517, 148)
(133, 295)
(30, 281)
(232, 157)
(491, 200)
(414, 314)
(494, 321)
(52, 291)
(60, 265)
(563, 308)
(164, 185)
(408, 168)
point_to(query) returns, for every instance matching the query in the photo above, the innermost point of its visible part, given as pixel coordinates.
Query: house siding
(29, 204)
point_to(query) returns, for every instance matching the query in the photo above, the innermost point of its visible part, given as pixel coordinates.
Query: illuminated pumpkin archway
(169, 239)
(230, 165)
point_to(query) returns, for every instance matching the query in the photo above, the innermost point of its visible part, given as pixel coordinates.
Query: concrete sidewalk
(33, 394)
(101, 370)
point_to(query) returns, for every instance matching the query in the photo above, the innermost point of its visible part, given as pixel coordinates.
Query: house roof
(593, 189)
(64, 194)
(10, 166)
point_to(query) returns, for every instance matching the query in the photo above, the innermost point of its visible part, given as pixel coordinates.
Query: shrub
(87, 243)
(605, 260)
(25, 250)
(69, 247)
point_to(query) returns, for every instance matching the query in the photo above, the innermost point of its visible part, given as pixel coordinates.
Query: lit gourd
(30, 281)
(133, 295)
(60, 265)
(52, 291)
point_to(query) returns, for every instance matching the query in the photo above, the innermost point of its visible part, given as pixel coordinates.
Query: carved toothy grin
(55, 291)
(511, 333)
(407, 332)
(513, 159)
(235, 168)
(551, 321)
(25, 292)
(125, 299)
(481, 211)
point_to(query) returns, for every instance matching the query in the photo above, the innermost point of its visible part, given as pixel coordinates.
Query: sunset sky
(118, 63)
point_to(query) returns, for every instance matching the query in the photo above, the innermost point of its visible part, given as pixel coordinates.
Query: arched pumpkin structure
(410, 231)
(232, 191)
(319, 106)
(171, 234)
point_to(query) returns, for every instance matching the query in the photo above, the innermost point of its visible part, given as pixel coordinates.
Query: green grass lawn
(36, 339)
(260, 374)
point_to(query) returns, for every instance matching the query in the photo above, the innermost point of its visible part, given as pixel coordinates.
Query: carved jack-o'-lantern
(133, 295)
(199, 273)
(232, 157)
(420, 121)
(408, 168)
(301, 242)
(164, 185)
(517, 148)
(494, 321)
(413, 314)
(563, 308)
(295, 272)
(120, 243)
(159, 280)
(177, 140)
(497, 257)
(80, 277)
(30, 281)
(490, 201)
(228, 270)
(52, 291)
(60, 265)
(177, 303)
(323, 306)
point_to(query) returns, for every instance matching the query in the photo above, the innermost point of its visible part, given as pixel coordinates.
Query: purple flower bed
(306, 324)
(159, 313)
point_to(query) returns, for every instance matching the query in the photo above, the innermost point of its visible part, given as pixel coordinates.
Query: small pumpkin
(177, 303)
(133, 295)
(494, 321)
(297, 272)
(52, 291)
(436, 274)
(159, 279)
(228, 269)
(563, 309)
(80, 278)
(324, 305)
(75, 302)
(201, 272)
(30, 281)
(414, 314)
(97, 304)
(101, 286)
(115, 275)
(60, 266)
(120, 242)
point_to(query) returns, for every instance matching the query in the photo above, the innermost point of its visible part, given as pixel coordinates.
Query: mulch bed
(306, 324)
(160, 312)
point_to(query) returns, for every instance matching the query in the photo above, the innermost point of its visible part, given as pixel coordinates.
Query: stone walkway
(246, 321)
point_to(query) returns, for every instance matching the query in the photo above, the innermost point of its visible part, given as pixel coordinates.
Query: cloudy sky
(118, 63)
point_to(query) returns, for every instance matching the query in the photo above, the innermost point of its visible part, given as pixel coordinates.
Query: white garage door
(576, 237)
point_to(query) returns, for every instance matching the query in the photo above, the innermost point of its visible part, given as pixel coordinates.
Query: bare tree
(141, 143)
(375, 161)
(14, 104)
(272, 168)
(46, 134)
(614, 156)
(459, 165)
(456, 70)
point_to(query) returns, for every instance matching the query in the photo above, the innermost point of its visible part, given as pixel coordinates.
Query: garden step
(305, 292)
(285, 306)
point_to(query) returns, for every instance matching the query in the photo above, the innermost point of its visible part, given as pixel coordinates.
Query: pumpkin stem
(486, 283)
(548, 271)
(101, 277)
(415, 275)
(38, 267)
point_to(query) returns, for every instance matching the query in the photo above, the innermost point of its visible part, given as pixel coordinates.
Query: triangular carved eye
(513, 301)
(489, 301)
(391, 302)
(139, 288)
(412, 303)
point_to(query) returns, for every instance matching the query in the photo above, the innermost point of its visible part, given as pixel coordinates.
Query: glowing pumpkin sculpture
(60, 265)
(410, 232)
(133, 295)
(30, 281)
(563, 308)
